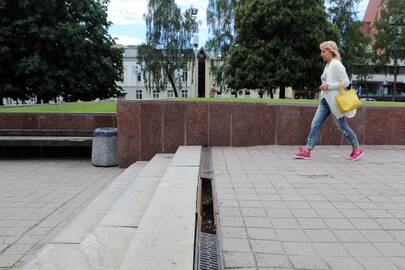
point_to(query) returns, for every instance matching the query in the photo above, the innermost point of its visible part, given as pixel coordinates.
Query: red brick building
(379, 85)
(371, 15)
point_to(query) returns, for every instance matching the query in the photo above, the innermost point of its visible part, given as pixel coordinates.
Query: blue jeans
(321, 114)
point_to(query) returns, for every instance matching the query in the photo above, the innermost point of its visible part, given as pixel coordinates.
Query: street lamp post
(220, 85)
(195, 45)
(194, 12)
(137, 73)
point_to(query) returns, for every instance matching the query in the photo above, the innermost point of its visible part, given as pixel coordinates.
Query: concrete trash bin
(104, 147)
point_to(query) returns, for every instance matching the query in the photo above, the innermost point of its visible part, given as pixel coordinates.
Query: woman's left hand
(323, 87)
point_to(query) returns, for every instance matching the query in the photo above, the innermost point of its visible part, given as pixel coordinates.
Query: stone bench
(45, 137)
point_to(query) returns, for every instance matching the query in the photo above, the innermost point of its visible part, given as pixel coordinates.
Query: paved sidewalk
(327, 213)
(39, 196)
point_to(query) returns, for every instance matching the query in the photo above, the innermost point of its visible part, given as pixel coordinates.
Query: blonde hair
(332, 47)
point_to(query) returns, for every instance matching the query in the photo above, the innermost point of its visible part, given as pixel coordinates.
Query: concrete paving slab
(38, 197)
(324, 213)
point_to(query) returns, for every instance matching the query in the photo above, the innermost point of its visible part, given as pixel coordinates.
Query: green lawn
(262, 100)
(292, 101)
(384, 103)
(66, 107)
(112, 106)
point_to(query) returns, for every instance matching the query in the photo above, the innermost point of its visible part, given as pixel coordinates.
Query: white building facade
(135, 88)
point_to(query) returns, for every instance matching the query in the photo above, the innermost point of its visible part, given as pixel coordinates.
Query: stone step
(169, 244)
(91, 215)
(104, 249)
(129, 209)
(187, 156)
(106, 245)
(65, 243)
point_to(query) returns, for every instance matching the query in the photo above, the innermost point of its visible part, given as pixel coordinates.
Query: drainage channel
(207, 251)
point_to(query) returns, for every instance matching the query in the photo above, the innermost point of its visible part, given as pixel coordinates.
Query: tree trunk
(1, 101)
(282, 91)
(271, 93)
(365, 85)
(170, 77)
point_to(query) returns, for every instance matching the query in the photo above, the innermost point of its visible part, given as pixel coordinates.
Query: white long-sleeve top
(334, 73)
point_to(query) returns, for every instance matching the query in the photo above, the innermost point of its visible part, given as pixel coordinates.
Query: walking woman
(334, 73)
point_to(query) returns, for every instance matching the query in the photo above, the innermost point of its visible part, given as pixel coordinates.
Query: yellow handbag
(347, 100)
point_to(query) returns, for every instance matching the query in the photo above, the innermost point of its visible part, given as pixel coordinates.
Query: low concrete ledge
(149, 127)
(38, 129)
(165, 236)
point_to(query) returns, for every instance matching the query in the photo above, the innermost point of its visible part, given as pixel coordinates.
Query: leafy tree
(389, 44)
(168, 47)
(343, 15)
(51, 48)
(247, 70)
(277, 44)
(363, 65)
(220, 21)
(360, 55)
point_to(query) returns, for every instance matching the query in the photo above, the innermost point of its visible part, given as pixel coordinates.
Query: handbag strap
(341, 87)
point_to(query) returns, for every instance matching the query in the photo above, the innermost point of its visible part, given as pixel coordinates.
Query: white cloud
(127, 40)
(122, 12)
(130, 12)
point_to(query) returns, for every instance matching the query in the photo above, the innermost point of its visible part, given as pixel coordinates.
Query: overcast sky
(130, 29)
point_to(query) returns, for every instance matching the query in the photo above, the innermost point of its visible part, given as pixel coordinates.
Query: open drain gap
(207, 207)
(207, 253)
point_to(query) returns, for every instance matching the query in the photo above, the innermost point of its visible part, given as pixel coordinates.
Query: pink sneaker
(356, 154)
(302, 153)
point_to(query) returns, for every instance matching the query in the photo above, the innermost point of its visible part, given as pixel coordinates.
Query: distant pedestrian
(334, 73)
(213, 90)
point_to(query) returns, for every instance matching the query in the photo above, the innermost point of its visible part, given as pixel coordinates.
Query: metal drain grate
(209, 259)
